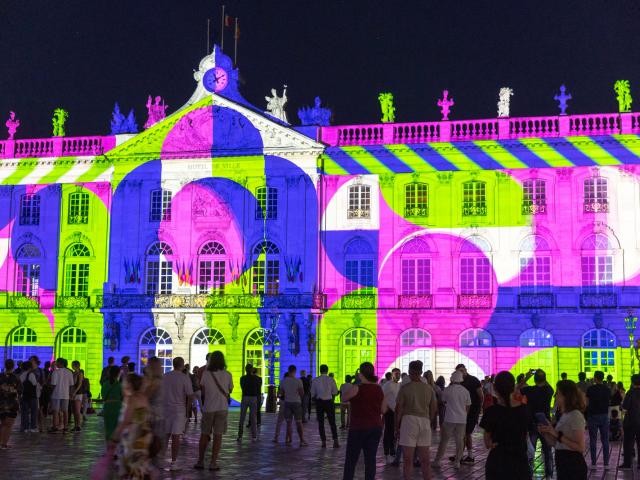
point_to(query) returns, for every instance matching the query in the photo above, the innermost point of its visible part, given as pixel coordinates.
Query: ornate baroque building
(505, 243)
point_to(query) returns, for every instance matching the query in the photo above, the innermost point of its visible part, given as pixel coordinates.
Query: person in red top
(367, 405)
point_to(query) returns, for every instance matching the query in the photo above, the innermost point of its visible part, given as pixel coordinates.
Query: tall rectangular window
(211, 276)
(266, 277)
(535, 274)
(359, 277)
(76, 280)
(28, 279)
(596, 195)
(159, 277)
(160, 207)
(416, 276)
(78, 208)
(359, 201)
(534, 197)
(416, 196)
(30, 209)
(474, 199)
(475, 276)
(267, 203)
(597, 273)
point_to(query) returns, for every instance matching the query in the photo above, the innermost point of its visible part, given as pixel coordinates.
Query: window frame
(474, 198)
(416, 203)
(359, 202)
(30, 209)
(78, 208)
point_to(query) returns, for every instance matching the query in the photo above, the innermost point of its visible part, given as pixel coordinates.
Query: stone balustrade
(56, 147)
(484, 129)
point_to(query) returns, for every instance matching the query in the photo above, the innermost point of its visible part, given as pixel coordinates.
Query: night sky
(83, 55)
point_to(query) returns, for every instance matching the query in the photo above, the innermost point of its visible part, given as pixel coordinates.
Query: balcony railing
(476, 301)
(596, 207)
(416, 211)
(72, 302)
(136, 301)
(534, 209)
(415, 301)
(536, 300)
(358, 213)
(56, 147)
(482, 129)
(359, 301)
(19, 301)
(474, 209)
(598, 300)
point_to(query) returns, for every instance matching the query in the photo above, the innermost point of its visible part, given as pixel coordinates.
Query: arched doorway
(264, 354)
(476, 352)
(358, 346)
(72, 345)
(156, 342)
(204, 341)
(415, 344)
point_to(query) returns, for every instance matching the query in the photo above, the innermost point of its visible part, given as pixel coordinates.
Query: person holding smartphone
(539, 398)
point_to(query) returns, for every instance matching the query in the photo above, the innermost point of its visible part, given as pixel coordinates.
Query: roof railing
(56, 147)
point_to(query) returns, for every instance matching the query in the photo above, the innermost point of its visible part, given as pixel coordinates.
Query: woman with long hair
(568, 435)
(112, 396)
(365, 430)
(431, 381)
(505, 433)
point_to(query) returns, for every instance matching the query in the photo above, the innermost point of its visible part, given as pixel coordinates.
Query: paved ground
(71, 456)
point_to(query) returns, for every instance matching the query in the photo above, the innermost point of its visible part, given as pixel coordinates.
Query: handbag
(226, 394)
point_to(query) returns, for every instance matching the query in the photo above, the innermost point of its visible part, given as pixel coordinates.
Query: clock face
(215, 80)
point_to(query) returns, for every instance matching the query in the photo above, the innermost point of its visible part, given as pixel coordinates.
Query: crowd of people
(146, 415)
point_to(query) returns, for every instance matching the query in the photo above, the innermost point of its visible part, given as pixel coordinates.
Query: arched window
(266, 203)
(359, 267)
(262, 353)
(359, 201)
(28, 270)
(535, 265)
(536, 352)
(204, 341)
(30, 209)
(599, 351)
(160, 206)
(159, 271)
(211, 268)
(595, 195)
(266, 269)
(156, 342)
(22, 344)
(474, 198)
(475, 267)
(416, 200)
(476, 351)
(72, 345)
(536, 337)
(76, 271)
(358, 345)
(415, 344)
(534, 197)
(416, 268)
(597, 264)
(78, 213)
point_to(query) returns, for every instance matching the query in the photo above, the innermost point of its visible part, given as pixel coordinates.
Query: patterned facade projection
(505, 243)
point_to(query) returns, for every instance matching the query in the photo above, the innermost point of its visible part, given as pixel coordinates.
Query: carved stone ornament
(71, 319)
(473, 319)
(386, 179)
(597, 320)
(415, 320)
(126, 325)
(179, 320)
(564, 173)
(535, 320)
(156, 320)
(22, 319)
(357, 320)
(445, 177)
(234, 322)
(275, 105)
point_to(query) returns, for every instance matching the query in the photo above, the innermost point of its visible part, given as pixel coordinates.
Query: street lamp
(630, 322)
(274, 319)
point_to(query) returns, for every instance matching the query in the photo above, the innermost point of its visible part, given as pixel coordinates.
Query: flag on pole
(228, 21)
(237, 33)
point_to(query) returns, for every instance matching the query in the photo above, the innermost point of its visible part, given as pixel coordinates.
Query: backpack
(28, 388)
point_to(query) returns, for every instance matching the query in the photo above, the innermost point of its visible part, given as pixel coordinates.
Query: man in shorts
(293, 391)
(177, 392)
(416, 407)
(474, 387)
(62, 381)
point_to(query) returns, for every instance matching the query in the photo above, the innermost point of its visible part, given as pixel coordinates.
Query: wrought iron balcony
(475, 301)
(365, 301)
(534, 208)
(416, 211)
(20, 301)
(598, 300)
(415, 301)
(536, 300)
(474, 209)
(359, 213)
(596, 207)
(72, 302)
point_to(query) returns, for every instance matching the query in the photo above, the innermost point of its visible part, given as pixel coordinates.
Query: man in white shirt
(293, 391)
(178, 390)
(323, 389)
(62, 381)
(457, 402)
(390, 389)
(217, 385)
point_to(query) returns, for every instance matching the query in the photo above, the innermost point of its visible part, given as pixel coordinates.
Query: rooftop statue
(315, 115)
(623, 91)
(504, 99)
(562, 100)
(12, 124)
(156, 111)
(59, 118)
(386, 105)
(130, 124)
(445, 104)
(275, 104)
(121, 124)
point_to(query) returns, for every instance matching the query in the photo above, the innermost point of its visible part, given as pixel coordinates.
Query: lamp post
(630, 322)
(271, 337)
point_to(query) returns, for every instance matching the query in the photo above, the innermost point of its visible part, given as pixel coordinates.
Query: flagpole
(235, 44)
(222, 31)
(208, 34)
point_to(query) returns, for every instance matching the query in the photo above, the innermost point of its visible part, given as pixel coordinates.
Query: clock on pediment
(215, 79)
